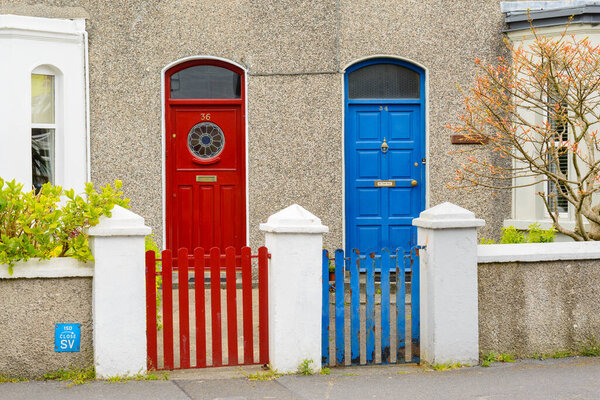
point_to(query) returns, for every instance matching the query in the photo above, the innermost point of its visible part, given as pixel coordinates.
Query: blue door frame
(381, 217)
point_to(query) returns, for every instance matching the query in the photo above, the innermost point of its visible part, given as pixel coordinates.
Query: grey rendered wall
(295, 52)
(30, 308)
(538, 307)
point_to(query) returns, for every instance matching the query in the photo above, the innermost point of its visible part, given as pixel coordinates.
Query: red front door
(206, 171)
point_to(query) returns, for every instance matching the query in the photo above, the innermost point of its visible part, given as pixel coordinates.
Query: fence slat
(151, 328)
(247, 305)
(370, 309)
(199, 308)
(400, 308)
(339, 307)
(232, 344)
(263, 304)
(325, 313)
(184, 309)
(385, 306)
(414, 307)
(215, 303)
(355, 307)
(167, 290)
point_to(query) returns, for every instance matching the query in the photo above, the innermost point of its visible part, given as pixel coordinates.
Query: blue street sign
(67, 337)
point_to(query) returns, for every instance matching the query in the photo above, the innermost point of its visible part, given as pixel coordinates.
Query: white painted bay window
(42, 75)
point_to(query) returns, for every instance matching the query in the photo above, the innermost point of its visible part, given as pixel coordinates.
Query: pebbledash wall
(38, 295)
(295, 53)
(538, 298)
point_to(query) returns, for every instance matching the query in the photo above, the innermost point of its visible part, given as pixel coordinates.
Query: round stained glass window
(206, 140)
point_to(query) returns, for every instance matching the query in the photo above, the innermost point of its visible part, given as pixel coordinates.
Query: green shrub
(538, 235)
(535, 234)
(52, 222)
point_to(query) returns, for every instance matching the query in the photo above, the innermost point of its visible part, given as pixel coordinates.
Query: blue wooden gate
(400, 266)
(384, 149)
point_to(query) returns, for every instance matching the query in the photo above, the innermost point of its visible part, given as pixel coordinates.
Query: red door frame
(169, 162)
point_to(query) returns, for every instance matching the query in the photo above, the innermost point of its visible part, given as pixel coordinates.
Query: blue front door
(385, 171)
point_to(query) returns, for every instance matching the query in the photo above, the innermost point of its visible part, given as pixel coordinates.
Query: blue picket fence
(362, 270)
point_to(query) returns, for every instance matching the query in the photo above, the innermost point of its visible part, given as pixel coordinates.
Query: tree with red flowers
(537, 114)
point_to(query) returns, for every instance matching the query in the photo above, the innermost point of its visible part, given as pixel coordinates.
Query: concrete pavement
(568, 378)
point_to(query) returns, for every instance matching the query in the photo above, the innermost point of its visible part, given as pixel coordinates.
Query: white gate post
(448, 289)
(119, 295)
(294, 238)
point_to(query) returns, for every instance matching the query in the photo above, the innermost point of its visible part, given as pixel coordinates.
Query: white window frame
(49, 46)
(527, 206)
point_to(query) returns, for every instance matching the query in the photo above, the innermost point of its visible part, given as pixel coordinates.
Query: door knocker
(384, 146)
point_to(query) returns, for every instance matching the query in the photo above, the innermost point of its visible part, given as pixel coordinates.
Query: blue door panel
(400, 202)
(401, 126)
(368, 164)
(368, 124)
(399, 163)
(369, 202)
(400, 234)
(381, 217)
(368, 237)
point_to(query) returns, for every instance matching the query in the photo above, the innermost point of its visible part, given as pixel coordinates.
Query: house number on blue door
(67, 337)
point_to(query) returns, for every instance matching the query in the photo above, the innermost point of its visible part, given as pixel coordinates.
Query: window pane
(562, 205)
(557, 117)
(42, 156)
(42, 99)
(383, 81)
(206, 82)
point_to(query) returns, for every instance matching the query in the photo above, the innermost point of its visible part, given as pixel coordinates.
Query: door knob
(413, 183)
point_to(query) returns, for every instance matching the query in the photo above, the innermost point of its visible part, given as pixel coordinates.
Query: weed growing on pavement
(78, 376)
(325, 371)
(448, 366)
(268, 375)
(491, 357)
(138, 377)
(304, 368)
(561, 354)
(6, 379)
(75, 376)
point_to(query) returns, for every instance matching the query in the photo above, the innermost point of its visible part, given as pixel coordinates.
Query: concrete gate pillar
(448, 288)
(119, 294)
(294, 238)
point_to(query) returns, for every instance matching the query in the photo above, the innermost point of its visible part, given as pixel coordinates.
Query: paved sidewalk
(569, 378)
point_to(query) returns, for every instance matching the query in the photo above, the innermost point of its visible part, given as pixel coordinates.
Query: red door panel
(206, 177)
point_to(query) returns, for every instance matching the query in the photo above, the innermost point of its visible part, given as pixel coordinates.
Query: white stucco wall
(25, 44)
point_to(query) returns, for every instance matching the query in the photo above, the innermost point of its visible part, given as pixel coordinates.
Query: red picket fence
(213, 265)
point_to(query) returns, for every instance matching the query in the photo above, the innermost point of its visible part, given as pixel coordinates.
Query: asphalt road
(569, 378)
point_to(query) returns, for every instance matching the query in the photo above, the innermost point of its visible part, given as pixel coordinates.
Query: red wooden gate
(204, 301)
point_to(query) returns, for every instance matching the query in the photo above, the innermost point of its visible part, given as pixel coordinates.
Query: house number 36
(205, 117)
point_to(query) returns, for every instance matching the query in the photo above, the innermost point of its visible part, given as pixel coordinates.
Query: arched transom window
(383, 81)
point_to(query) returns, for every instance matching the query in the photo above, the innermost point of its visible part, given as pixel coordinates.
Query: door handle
(413, 183)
